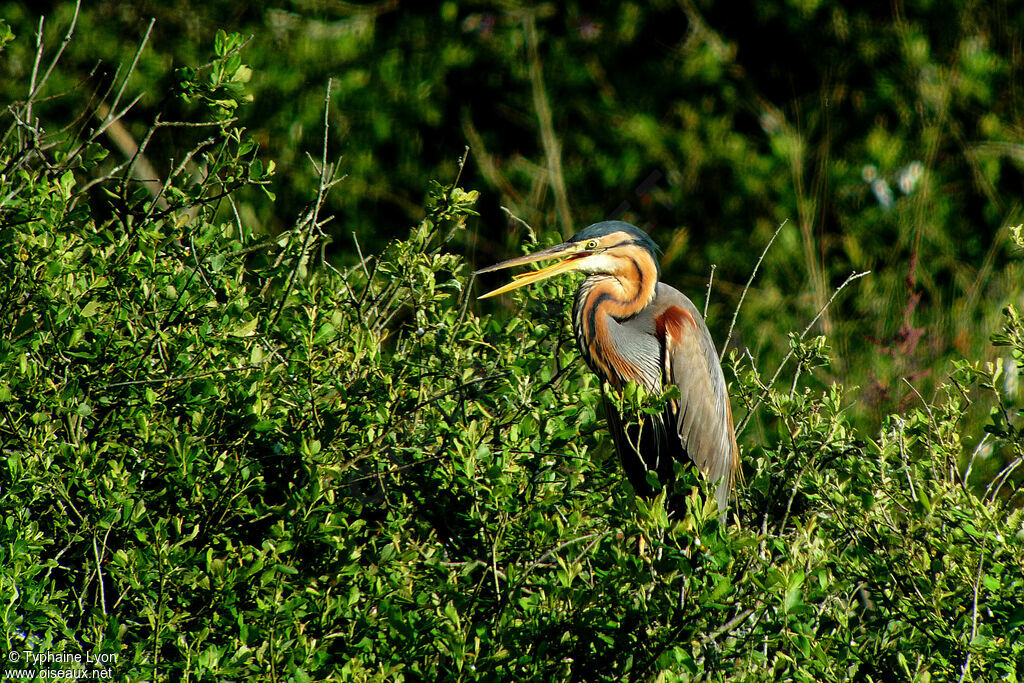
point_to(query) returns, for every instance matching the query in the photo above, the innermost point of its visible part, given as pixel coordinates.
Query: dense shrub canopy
(889, 140)
(236, 448)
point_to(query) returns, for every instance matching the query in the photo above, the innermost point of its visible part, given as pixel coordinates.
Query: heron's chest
(620, 350)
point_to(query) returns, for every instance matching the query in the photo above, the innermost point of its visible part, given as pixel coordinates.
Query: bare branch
(181, 378)
(128, 74)
(158, 200)
(753, 274)
(974, 610)
(707, 295)
(312, 218)
(771, 382)
(36, 87)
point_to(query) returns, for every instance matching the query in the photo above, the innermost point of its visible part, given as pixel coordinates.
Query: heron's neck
(622, 294)
(606, 300)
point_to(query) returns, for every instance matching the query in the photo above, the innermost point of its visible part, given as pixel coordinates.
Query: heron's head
(606, 248)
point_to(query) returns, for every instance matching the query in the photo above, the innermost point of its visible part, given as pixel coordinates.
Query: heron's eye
(592, 244)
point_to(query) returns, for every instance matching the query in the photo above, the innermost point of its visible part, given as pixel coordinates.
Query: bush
(890, 138)
(227, 460)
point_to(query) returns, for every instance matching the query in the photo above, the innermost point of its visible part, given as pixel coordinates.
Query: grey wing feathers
(702, 415)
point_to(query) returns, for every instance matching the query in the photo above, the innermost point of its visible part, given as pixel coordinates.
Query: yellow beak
(571, 252)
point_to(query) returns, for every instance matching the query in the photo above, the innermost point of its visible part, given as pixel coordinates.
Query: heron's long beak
(569, 251)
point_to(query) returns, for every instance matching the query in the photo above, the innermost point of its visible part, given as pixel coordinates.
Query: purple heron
(631, 327)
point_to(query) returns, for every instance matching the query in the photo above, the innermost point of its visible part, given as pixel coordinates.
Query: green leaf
(245, 329)
(794, 592)
(90, 309)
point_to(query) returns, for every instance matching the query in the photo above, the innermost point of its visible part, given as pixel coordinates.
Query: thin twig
(112, 115)
(934, 425)
(158, 200)
(60, 51)
(771, 382)
(796, 379)
(904, 457)
(131, 69)
(181, 378)
(974, 454)
(100, 553)
(707, 294)
(314, 215)
(753, 274)
(138, 156)
(99, 576)
(465, 299)
(35, 69)
(36, 84)
(462, 165)
(799, 478)
(821, 311)
(362, 259)
(143, 170)
(107, 122)
(529, 229)
(974, 610)
(543, 558)
(727, 626)
(1002, 478)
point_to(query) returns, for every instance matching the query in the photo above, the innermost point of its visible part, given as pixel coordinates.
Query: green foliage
(6, 35)
(891, 142)
(226, 459)
(224, 87)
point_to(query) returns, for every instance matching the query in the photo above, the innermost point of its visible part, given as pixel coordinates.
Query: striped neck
(604, 300)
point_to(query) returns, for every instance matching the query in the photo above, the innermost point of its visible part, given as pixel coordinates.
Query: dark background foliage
(255, 427)
(708, 124)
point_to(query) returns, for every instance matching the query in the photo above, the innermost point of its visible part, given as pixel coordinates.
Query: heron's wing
(702, 414)
(632, 463)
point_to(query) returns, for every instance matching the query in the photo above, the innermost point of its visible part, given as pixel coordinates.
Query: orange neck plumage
(604, 299)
